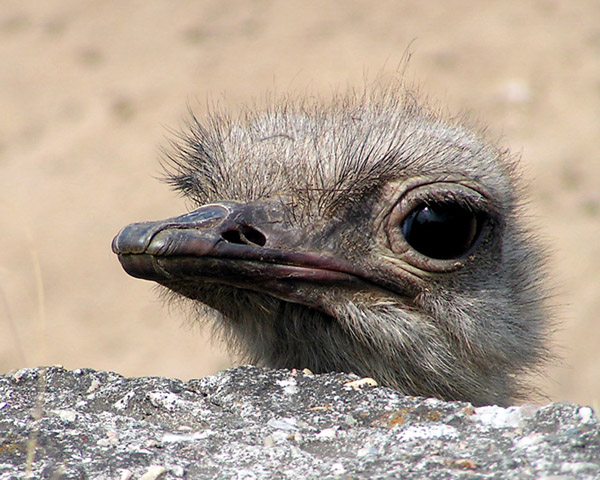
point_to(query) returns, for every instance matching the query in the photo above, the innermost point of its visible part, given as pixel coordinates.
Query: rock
(253, 423)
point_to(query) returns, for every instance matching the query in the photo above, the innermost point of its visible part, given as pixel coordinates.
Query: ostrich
(367, 234)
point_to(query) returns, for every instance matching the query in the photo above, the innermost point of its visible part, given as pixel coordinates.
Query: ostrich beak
(247, 246)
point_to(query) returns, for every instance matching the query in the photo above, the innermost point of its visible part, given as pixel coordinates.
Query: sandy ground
(89, 90)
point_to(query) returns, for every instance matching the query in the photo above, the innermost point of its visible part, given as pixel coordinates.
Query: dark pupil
(442, 231)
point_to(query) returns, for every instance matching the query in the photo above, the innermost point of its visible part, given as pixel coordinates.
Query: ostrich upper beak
(247, 246)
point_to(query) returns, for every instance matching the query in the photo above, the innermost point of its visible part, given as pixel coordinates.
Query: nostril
(232, 236)
(254, 236)
(245, 235)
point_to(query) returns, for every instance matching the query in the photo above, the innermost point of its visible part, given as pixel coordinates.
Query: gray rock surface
(248, 423)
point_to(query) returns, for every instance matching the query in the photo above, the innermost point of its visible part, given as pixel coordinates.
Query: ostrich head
(365, 235)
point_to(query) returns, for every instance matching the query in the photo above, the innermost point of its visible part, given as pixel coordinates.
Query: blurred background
(89, 91)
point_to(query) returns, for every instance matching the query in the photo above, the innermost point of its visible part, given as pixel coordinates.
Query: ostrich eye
(442, 231)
